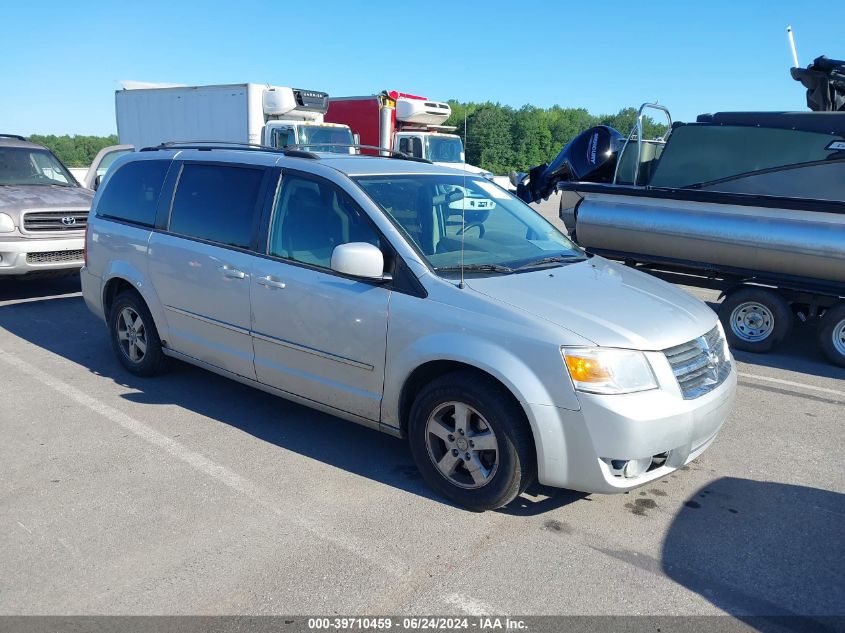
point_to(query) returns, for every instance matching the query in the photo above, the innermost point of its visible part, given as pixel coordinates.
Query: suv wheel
(471, 441)
(134, 336)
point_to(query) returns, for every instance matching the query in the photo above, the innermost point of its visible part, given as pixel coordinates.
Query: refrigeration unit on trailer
(259, 114)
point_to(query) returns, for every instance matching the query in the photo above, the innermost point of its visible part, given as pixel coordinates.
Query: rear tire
(134, 336)
(831, 334)
(471, 441)
(755, 319)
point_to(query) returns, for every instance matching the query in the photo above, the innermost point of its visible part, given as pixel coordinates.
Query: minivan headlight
(608, 371)
(7, 224)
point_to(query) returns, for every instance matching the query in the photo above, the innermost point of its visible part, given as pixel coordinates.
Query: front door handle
(271, 282)
(232, 273)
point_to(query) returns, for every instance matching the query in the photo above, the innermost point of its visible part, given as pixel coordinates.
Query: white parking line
(791, 383)
(229, 478)
(13, 302)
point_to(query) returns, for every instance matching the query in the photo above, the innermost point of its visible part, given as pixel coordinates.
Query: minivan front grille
(41, 221)
(701, 364)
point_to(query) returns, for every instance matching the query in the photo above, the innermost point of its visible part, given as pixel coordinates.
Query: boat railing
(637, 131)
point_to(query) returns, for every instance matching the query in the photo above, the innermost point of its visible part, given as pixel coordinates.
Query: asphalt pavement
(192, 494)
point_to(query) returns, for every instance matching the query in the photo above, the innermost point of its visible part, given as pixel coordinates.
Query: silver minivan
(414, 299)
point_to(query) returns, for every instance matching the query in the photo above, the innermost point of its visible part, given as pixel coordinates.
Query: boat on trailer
(750, 203)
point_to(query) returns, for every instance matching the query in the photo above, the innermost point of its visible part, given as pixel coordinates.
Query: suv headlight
(608, 371)
(7, 224)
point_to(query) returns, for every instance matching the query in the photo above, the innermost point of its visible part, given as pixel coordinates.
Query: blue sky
(60, 62)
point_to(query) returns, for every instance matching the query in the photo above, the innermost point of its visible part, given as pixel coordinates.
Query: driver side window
(311, 218)
(411, 145)
(283, 137)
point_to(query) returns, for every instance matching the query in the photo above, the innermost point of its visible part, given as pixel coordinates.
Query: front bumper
(577, 446)
(21, 256)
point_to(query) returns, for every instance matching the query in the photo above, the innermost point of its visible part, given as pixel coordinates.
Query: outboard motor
(590, 156)
(824, 80)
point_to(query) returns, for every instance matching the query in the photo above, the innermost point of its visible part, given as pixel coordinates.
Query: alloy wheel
(132, 335)
(462, 445)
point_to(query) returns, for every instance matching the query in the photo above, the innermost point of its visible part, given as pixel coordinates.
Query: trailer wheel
(832, 334)
(755, 319)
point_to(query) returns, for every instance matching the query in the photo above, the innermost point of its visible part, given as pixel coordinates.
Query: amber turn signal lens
(586, 369)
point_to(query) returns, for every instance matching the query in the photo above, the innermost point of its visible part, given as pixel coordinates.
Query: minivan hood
(607, 303)
(17, 198)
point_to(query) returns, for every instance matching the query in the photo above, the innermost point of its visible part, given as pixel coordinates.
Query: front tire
(134, 336)
(755, 319)
(471, 441)
(832, 334)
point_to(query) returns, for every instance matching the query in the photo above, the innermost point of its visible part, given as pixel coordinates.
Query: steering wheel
(473, 225)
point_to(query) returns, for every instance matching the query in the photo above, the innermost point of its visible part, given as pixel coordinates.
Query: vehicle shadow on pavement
(755, 548)
(539, 499)
(354, 448)
(17, 289)
(800, 353)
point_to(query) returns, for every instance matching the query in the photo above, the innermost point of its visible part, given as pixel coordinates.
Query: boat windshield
(25, 166)
(451, 219)
(702, 156)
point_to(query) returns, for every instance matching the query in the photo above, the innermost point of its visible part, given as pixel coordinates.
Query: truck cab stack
(404, 122)
(259, 114)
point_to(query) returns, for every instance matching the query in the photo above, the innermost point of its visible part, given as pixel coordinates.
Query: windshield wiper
(481, 268)
(556, 259)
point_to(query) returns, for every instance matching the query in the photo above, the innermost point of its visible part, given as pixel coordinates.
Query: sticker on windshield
(492, 189)
(836, 146)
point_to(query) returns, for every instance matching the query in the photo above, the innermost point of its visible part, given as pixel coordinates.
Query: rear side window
(216, 203)
(131, 194)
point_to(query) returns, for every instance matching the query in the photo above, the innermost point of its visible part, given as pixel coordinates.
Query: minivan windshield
(26, 166)
(445, 215)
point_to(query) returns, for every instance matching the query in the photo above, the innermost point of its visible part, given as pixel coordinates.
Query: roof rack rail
(212, 145)
(392, 153)
(15, 136)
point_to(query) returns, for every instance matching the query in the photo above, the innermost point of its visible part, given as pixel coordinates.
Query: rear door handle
(271, 282)
(232, 273)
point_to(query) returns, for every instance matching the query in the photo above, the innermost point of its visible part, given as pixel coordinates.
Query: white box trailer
(259, 114)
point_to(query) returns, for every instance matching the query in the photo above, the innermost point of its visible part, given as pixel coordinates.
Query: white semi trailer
(259, 114)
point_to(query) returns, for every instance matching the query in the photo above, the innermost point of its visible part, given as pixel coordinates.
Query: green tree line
(499, 138)
(77, 150)
(502, 139)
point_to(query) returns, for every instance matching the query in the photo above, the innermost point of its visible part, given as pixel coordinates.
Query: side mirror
(97, 181)
(359, 259)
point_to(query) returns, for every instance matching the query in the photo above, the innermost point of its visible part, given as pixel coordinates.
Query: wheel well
(113, 288)
(427, 372)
